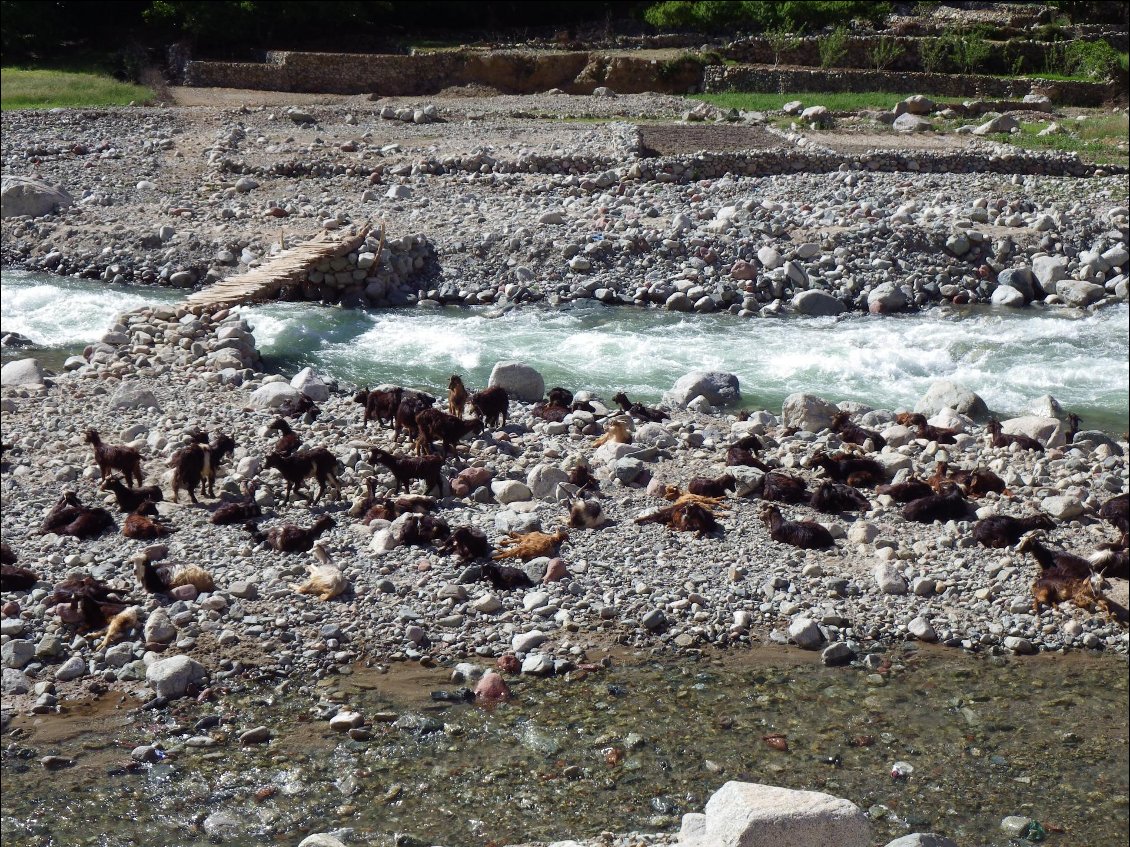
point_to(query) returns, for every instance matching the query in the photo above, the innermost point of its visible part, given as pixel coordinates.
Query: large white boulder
(520, 381)
(274, 395)
(808, 412)
(21, 195)
(718, 387)
(945, 394)
(133, 395)
(749, 814)
(170, 678)
(22, 372)
(1048, 431)
(312, 385)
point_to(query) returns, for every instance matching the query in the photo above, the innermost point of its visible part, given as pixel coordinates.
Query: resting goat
(130, 498)
(142, 524)
(926, 431)
(707, 487)
(70, 517)
(110, 458)
(854, 471)
(1000, 439)
(852, 433)
(638, 410)
(162, 579)
(833, 497)
(317, 462)
(1004, 530)
(947, 506)
(290, 538)
(240, 511)
(807, 535)
(905, 492)
(468, 543)
(530, 545)
(783, 488)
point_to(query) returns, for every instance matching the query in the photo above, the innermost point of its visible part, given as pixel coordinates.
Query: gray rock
(1001, 123)
(1020, 279)
(311, 384)
(808, 412)
(1048, 431)
(806, 633)
(521, 381)
(1010, 297)
(889, 579)
(15, 682)
(170, 678)
(1062, 507)
(321, 839)
(911, 123)
(718, 387)
(223, 825)
(837, 653)
(944, 394)
(1015, 825)
(523, 642)
(922, 629)
(510, 491)
(132, 395)
(22, 372)
(1019, 645)
(543, 481)
(813, 302)
(885, 299)
(256, 735)
(274, 395)
(17, 653)
(1078, 293)
(73, 668)
(655, 621)
(158, 627)
(21, 195)
(1049, 270)
(922, 839)
(918, 104)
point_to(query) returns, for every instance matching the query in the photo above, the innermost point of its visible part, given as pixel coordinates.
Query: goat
(558, 396)
(140, 523)
(926, 431)
(550, 412)
(457, 396)
(904, 492)
(161, 580)
(301, 405)
(7, 554)
(1005, 530)
(110, 458)
(1111, 560)
(833, 497)
(1000, 439)
(684, 516)
(582, 478)
(853, 471)
(324, 581)
(1068, 564)
(638, 410)
(240, 511)
(288, 440)
(380, 405)
(743, 453)
(317, 462)
(120, 625)
(852, 433)
(388, 509)
(615, 431)
(290, 538)
(706, 487)
(70, 517)
(420, 530)
(405, 417)
(949, 505)
(979, 481)
(1116, 511)
(13, 578)
(492, 405)
(586, 514)
(196, 464)
(530, 545)
(1053, 587)
(434, 425)
(404, 469)
(129, 499)
(783, 488)
(807, 535)
(84, 601)
(1073, 421)
(468, 543)
(504, 577)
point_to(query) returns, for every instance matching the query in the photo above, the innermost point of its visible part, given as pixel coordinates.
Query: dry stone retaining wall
(787, 80)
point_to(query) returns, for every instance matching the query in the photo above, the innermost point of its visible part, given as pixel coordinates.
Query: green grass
(1101, 140)
(846, 101)
(23, 88)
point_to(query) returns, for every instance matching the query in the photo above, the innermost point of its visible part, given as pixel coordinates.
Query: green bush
(673, 14)
(884, 53)
(781, 40)
(1093, 59)
(792, 16)
(967, 48)
(832, 47)
(932, 53)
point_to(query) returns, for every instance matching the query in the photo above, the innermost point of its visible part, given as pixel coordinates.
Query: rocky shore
(558, 197)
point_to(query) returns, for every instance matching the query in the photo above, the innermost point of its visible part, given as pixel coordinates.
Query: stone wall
(373, 276)
(788, 80)
(509, 71)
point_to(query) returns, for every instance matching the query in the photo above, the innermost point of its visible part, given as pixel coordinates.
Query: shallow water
(1009, 357)
(632, 747)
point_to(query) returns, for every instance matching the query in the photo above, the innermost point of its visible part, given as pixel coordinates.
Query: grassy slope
(847, 101)
(22, 88)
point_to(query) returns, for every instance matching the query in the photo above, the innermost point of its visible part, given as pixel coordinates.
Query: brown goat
(115, 458)
(807, 535)
(195, 465)
(317, 462)
(468, 543)
(946, 506)
(904, 492)
(141, 523)
(290, 538)
(852, 433)
(405, 417)
(707, 487)
(783, 488)
(832, 497)
(434, 425)
(456, 396)
(1005, 530)
(684, 515)
(581, 476)
(1000, 439)
(380, 405)
(926, 431)
(1068, 564)
(130, 498)
(288, 439)
(638, 410)
(159, 580)
(858, 472)
(243, 510)
(492, 405)
(530, 545)
(615, 431)
(404, 469)
(14, 578)
(70, 517)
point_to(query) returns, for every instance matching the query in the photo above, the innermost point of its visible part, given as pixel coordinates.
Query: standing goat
(115, 458)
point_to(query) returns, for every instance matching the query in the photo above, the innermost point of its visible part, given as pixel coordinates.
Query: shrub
(1093, 59)
(884, 53)
(968, 48)
(932, 53)
(833, 47)
(674, 14)
(780, 40)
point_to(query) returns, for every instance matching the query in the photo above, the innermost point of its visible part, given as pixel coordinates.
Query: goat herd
(945, 495)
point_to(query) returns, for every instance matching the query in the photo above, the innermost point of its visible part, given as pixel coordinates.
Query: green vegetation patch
(1101, 140)
(841, 101)
(22, 88)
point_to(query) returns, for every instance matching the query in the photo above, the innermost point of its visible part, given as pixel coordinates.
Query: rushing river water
(1009, 357)
(632, 747)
